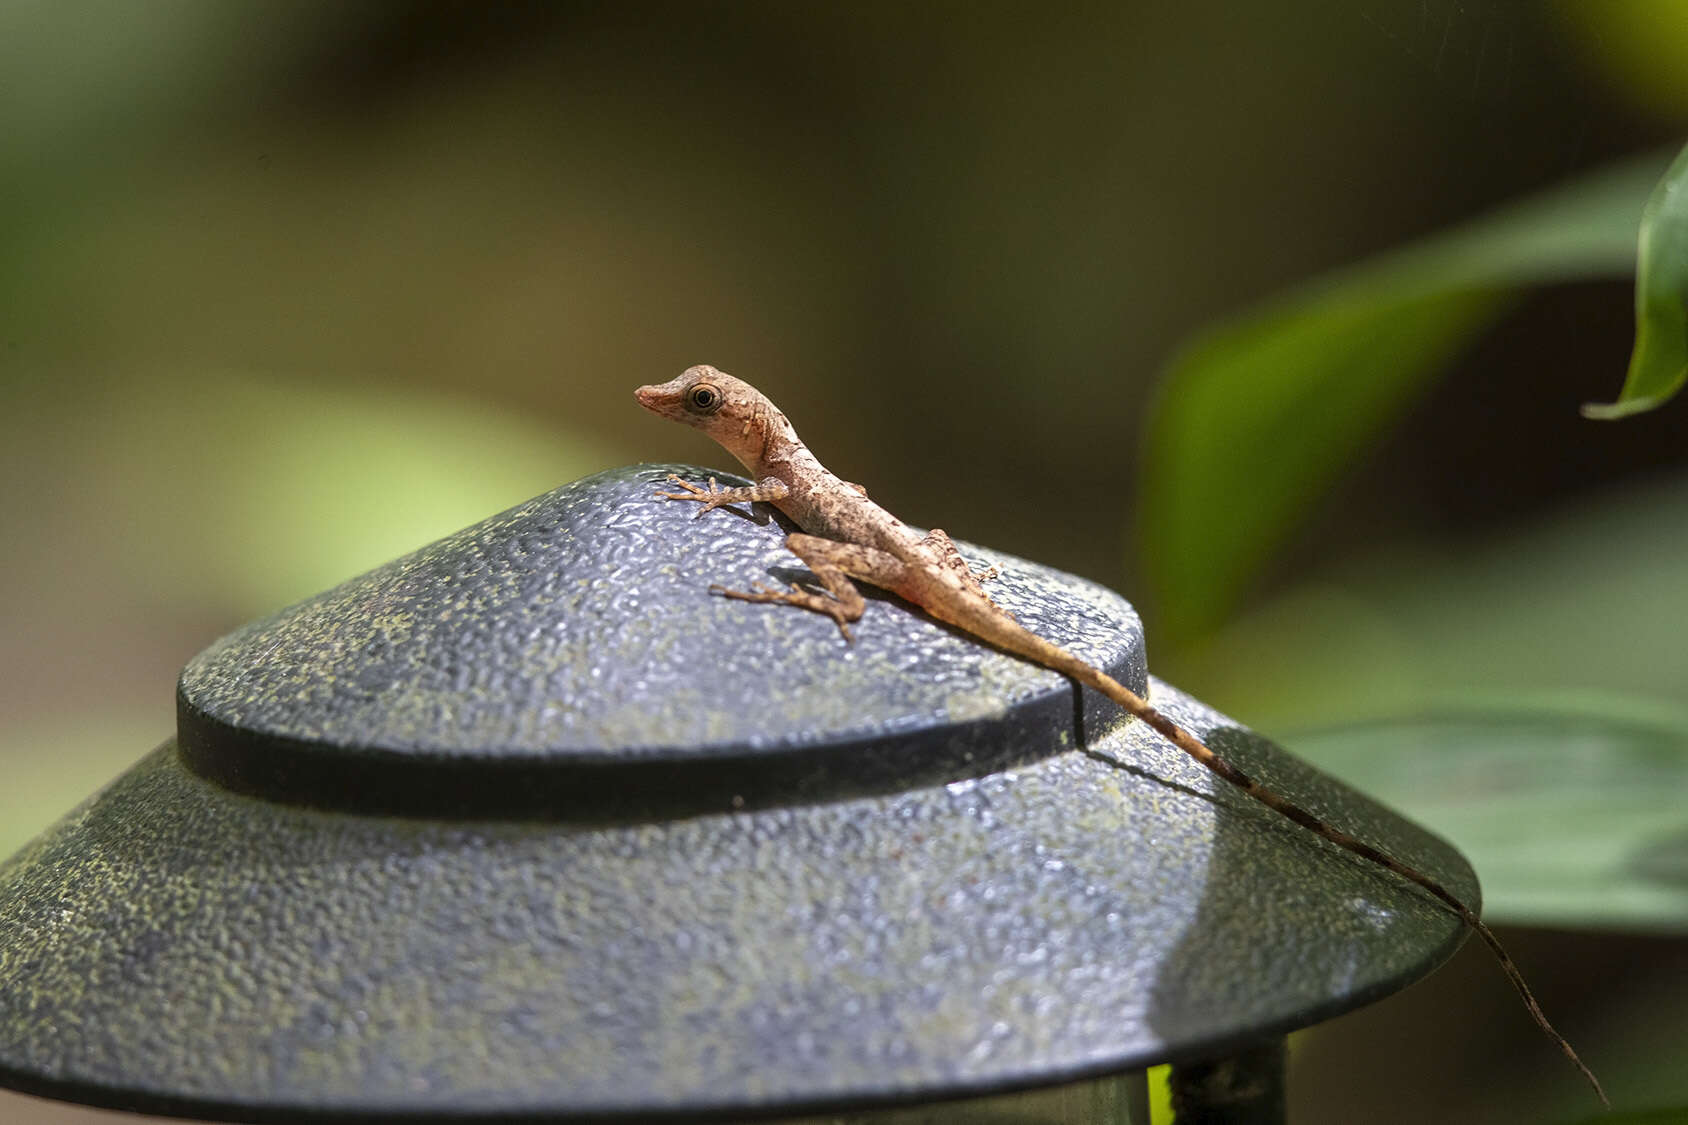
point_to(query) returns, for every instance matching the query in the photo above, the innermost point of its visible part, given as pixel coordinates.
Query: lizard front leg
(834, 564)
(770, 488)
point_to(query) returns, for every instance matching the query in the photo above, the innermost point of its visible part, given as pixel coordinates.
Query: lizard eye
(704, 397)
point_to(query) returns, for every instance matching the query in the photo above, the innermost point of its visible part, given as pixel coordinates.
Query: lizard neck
(764, 441)
(766, 444)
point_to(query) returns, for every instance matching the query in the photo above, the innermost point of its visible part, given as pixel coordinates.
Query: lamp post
(527, 825)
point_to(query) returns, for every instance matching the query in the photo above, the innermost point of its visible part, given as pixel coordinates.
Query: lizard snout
(667, 399)
(660, 398)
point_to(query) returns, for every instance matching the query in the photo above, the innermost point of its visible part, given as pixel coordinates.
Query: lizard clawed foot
(797, 596)
(711, 498)
(990, 573)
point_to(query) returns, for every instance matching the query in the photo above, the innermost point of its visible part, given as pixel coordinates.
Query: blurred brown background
(288, 288)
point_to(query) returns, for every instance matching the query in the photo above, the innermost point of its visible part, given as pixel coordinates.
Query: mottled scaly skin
(754, 430)
(847, 536)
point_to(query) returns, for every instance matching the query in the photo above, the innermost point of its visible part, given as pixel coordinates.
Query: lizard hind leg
(834, 564)
(949, 556)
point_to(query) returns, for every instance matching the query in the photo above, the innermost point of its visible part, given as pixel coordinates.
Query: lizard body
(847, 536)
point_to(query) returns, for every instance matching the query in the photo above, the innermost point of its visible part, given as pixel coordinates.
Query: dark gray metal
(1110, 1100)
(565, 657)
(655, 858)
(1244, 1088)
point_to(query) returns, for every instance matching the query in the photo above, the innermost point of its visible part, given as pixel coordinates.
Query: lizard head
(727, 409)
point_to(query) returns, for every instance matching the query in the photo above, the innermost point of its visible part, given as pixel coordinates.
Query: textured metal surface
(177, 946)
(567, 651)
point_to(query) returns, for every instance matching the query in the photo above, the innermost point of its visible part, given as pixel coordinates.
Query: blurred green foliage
(289, 288)
(1256, 419)
(1574, 817)
(1638, 45)
(1332, 365)
(1659, 364)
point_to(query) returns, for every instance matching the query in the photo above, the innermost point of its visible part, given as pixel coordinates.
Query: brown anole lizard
(847, 536)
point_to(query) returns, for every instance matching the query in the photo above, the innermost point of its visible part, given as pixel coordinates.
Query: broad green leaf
(1588, 602)
(1659, 364)
(1256, 418)
(1572, 819)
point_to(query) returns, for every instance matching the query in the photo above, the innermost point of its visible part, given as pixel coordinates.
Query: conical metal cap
(527, 823)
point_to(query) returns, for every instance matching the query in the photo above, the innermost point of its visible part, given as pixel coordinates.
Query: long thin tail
(1187, 742)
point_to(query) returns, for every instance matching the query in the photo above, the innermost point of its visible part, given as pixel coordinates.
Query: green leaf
(1257, 417)
(1659, 364)
(1573, 819)
(1588, 601)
